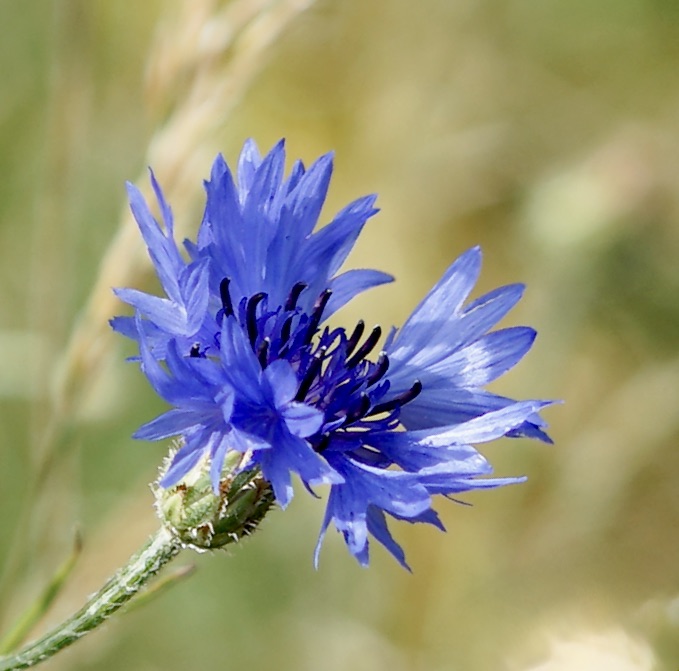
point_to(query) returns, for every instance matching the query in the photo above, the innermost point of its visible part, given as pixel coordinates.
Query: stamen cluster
(334, 373)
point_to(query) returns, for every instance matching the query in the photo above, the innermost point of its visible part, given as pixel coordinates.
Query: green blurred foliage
(545, 131)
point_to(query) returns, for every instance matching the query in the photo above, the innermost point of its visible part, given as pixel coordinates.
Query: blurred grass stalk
(23, 626)
(205, 56)
(218, 53)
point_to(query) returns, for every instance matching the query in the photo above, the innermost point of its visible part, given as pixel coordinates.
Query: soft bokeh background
(546, 131)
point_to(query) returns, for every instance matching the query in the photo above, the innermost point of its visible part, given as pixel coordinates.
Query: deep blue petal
(298, 216)
(305, 201)
(223, 229)
(162, 249)
(256, 212)
(294, 454)
(392, 491)
(183, 462)
(329, 247)
(377, 526)
(171, 423)
(240, 365)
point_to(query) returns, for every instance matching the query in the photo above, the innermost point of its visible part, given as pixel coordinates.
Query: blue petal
(248, 163)
(415, 450)
(350, 521)
(240, 365)
(282, 381)
(165, 210)
(484, 312)
(327, 518)
(294, 454)
(446, 405)
(483, 360)
(242, 441)
(445, 485)
(328, 248)
(305, 202)
(296, 173)
(297, 218)
(489, 426)
(377, 526)
(302, 420)
(446, 298)
(460, 329)
(171, 423)
(223, 222)
(351, 283)
(182, 463)
(125, 326)
(348, 504)
(162, 312)
(195, 294)
(256, 212)
(217, 454)
(162, 249)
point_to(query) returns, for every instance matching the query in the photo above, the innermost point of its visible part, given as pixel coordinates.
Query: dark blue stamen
(322, 443)
(359, 410)
(380, 368)
(194, 352)
(285, 331)
(263, 352)
(294, 295)
(365, 348)
(333, 340)
(355, 337)
(311, 373)
(317, 314)
(399, 400)
(251, 316)
(225, 296)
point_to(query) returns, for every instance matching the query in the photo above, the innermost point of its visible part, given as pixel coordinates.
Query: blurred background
(547, 132)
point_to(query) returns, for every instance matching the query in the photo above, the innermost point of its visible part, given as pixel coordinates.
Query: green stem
(142, 566)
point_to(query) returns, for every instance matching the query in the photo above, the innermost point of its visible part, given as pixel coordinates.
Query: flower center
(332, 367)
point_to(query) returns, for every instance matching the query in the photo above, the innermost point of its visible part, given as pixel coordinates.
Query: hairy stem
(142, 566)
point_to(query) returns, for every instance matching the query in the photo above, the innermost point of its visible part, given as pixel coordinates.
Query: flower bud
(203, 520)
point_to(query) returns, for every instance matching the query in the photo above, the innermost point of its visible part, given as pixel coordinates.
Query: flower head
(240, 350)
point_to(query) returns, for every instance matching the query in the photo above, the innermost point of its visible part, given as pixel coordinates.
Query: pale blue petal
(351, 283)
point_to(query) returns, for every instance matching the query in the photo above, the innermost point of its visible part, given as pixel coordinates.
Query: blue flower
(239, 349)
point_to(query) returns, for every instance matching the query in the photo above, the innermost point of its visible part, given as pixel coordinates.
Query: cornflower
(239, 346)
(261, 387)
